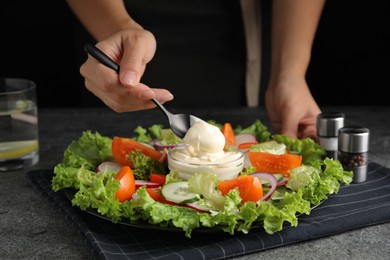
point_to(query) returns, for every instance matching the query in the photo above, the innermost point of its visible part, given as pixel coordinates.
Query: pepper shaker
(353, 148)
(328, 125)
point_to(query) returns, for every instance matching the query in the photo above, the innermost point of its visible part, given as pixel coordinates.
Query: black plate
(69, 193)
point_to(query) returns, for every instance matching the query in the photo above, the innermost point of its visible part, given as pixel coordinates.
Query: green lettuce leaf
(87, 152)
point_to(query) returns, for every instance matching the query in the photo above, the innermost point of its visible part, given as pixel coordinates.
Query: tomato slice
(250, 188)
(157, 178)
(127, 184)
(274, 163)
(227, 131)
(246, 145)
(122, 147)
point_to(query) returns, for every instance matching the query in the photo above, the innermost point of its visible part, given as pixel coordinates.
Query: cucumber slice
(279, 194)
(272, 147)
(279, 176)
(179, 192)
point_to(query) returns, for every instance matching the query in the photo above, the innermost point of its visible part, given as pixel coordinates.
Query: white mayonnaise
(204, 152)
(205, 138)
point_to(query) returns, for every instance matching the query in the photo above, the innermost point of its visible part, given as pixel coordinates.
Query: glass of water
(19, 143)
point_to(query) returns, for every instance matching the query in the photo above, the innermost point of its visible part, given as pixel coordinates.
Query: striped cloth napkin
(354, 206)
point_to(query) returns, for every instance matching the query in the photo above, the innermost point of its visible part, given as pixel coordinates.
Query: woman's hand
(291, 108)
(132, 49)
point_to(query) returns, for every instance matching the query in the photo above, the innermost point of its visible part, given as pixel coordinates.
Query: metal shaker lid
(329, 123)
(354, 139)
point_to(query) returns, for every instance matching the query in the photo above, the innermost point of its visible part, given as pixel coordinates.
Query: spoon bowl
(179, 123)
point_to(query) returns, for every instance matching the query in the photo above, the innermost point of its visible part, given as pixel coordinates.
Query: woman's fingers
(139, 49)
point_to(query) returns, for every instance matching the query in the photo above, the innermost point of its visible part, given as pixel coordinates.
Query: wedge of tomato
(127, 184)
(274, 163)
(122, 148)
(250, 188)
(227, 131)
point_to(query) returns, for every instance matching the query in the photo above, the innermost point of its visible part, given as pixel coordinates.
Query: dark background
(350, 59)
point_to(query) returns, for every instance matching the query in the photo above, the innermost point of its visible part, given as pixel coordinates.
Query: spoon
(179, 123)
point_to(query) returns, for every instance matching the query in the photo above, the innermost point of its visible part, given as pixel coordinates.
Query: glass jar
(227, 167)
(353, 146)
(328, 125)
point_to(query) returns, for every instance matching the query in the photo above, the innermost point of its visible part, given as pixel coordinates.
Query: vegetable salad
(127, 178)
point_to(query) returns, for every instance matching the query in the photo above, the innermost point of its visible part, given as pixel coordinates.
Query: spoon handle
(101, 56)
(159, 105)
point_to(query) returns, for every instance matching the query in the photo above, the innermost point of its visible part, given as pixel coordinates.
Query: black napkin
(354, 206)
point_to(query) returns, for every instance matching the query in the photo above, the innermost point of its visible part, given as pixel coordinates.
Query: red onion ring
(283, 182)
(161, 147)
(195, 205)
(148, 184)
(269, 178)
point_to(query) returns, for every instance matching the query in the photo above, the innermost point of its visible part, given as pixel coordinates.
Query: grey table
(32, 228)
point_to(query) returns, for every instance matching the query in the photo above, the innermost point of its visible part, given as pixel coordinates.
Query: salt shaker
(328, 125)
(353, 146)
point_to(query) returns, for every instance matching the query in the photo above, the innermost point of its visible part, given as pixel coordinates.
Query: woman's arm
(102, 18)
(294, 24)
(290, 105)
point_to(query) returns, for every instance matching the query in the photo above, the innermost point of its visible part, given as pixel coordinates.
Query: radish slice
(268, 177)
(148, 184)
(242, 139)
(245, 138)
(195, 205)
(135, 196)
(109, 166)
